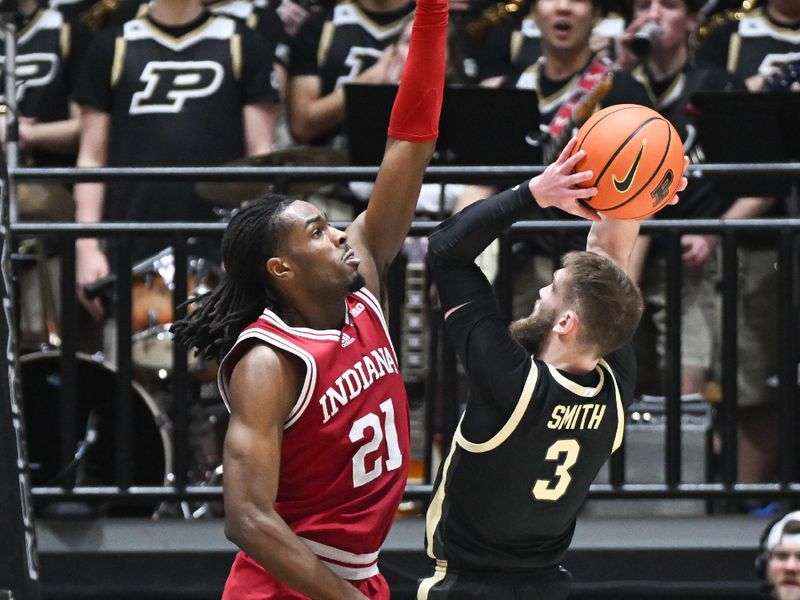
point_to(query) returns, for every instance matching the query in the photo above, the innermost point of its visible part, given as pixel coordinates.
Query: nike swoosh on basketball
(625, 184)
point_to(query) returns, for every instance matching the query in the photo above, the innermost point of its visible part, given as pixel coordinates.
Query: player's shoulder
(254, 362)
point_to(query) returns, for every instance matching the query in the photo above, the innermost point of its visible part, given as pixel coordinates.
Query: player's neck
(315, 315)
(561, 64)
(176, 12)
(667, 62)
(565, 357)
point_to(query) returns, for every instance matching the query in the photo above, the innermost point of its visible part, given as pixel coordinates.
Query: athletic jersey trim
(345, 564)
(756, 24)
(575, 388)
(310, 380)
(216, 27)
(439, 573)
(513, 421)
(620, 410)
(368, 297)
(434, 514)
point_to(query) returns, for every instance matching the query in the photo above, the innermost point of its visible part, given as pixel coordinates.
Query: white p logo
(171, 83)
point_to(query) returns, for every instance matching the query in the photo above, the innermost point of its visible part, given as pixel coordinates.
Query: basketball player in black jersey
(547, 397)
(671, 79)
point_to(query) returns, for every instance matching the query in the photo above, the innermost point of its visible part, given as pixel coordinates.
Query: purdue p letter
(171, 83)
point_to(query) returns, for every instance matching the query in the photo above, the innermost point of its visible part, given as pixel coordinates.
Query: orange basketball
(636, 158)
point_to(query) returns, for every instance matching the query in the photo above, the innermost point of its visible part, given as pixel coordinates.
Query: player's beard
(357, 283)
(532, 331)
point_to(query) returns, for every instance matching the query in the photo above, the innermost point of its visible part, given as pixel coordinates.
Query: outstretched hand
(558, 185)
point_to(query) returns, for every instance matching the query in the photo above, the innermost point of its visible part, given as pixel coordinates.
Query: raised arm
(613, 239)
(616, 239)
(378, 233)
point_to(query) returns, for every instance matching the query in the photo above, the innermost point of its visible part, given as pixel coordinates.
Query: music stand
(478, 126)
(742, 127)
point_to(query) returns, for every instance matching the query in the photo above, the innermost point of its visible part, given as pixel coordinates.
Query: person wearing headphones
(778, 560)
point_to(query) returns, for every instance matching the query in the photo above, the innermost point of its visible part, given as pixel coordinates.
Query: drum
(152, 313)
(95, 421)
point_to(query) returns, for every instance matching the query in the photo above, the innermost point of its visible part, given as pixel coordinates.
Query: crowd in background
(187, 83)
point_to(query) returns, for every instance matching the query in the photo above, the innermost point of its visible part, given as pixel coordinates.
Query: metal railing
(125, 489)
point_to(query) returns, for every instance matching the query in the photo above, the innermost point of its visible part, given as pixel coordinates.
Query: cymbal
(233, 193)
(44, 202)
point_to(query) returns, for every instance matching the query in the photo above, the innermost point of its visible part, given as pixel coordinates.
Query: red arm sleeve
(415, 114)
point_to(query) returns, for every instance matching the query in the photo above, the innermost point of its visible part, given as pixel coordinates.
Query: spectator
(350, 43)
(49, 54)
(671, 80)
(752, 48)
(148, 93)
(516, 43)
(778, 561)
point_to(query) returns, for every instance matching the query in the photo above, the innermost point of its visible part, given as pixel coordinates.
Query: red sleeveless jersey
(344, 458)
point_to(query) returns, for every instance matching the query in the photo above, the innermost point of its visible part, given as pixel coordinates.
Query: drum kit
(151, 355)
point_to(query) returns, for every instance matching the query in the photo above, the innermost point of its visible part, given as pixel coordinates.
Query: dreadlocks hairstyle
(250, 239)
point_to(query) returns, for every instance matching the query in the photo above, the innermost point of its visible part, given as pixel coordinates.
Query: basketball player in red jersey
(316, 452)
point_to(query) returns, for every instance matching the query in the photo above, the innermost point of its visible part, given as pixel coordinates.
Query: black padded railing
(125, 489)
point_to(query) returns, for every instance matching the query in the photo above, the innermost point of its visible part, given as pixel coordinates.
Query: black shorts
(464, 584)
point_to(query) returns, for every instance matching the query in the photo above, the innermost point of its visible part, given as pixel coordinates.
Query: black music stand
(478, 126)
(742, 127)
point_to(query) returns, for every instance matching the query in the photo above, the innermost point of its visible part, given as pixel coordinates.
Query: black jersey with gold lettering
(48, 54)
(671, 97)
(175, 98)
(755, 44)
(339, 44)
(532, 438)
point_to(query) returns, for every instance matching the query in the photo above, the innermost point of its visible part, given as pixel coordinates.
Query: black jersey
(339, 44)
(259, 15)
(671, 98)
(72, 9)
(48, 56)
(756, 44)
(532, 438)
(175, 97)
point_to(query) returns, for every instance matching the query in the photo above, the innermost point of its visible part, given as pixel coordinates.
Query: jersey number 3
(380, 431)
(553, 489)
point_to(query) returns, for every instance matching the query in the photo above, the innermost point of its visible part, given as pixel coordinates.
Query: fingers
(579, 177)
(93, 307)
(567, 152)
(581, 210)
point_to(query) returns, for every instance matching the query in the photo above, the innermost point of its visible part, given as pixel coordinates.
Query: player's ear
(566, 322)
(279, 268)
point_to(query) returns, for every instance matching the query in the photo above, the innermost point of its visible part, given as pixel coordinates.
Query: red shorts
(249, 581)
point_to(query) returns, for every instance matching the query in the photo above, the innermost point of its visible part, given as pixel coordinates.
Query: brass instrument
(732, 14)
(94, 16)
(491, 17)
